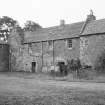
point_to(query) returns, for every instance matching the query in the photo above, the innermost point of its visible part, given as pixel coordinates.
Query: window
(30, 48)
(86, 42)
(69, 43)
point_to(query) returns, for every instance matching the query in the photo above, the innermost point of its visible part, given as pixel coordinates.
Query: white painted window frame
(67, 43)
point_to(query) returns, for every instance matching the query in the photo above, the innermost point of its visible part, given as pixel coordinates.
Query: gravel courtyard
(22, 90)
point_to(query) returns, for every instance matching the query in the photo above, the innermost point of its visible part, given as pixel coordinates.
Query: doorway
(33, 67)
(62, 68)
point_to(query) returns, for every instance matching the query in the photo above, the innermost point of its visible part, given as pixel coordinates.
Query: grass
(55, 97)
(20, 89)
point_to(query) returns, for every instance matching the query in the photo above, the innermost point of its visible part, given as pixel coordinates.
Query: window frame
(29, 48)
(69, 43)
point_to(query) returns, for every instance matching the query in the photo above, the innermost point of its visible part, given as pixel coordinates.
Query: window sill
(70, 48)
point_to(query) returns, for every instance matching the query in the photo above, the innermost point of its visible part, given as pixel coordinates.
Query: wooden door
(33, 67)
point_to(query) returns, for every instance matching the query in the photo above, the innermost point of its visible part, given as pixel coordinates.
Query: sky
(48, 13)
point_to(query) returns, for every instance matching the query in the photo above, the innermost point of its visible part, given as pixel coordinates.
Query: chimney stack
(62, 22)
(91, 17)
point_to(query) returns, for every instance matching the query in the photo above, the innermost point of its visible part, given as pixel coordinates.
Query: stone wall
(46, 55)
(88, 48)
(62, 51)
(91, 47)
(32, 53)
(16, 51)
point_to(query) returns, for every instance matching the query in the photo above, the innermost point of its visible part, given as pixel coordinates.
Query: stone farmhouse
(45, 47)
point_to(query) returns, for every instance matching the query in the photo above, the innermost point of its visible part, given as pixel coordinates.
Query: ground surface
(23, 89)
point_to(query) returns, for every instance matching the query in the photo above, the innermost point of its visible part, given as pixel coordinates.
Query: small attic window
(69, 43)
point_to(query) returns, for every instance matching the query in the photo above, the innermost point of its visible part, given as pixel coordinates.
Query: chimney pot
(91, 17)
(62, 22)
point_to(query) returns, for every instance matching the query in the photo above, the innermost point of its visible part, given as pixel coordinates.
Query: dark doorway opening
(33, 67)
(61, 67)
(4, 57)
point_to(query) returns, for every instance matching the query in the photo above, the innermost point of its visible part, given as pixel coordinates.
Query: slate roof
(94, 27)
(54, 33)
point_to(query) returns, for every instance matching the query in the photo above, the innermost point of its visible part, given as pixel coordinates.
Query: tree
(100, 62)
(31, 26)
(20, 31)
(6, 25)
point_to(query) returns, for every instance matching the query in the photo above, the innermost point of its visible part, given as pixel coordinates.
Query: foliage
(100, 62)
(31, 26)
(6, 25)
(73, 65)
(7, 22)
(87, 74)
(20, 32)
(62, 68)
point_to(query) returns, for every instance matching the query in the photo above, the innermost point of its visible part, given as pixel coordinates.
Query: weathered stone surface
(16, 51)
(45, 57)
(4, 57)
(91, 50)
(39, 51)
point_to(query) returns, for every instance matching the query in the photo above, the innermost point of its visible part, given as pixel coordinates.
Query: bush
(87, 73)
(73, 65)
(100, 63)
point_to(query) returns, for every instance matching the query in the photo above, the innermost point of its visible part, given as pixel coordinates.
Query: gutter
(83, 35)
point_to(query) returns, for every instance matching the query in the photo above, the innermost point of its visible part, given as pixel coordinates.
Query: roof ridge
(65, 25)
(68, 31)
